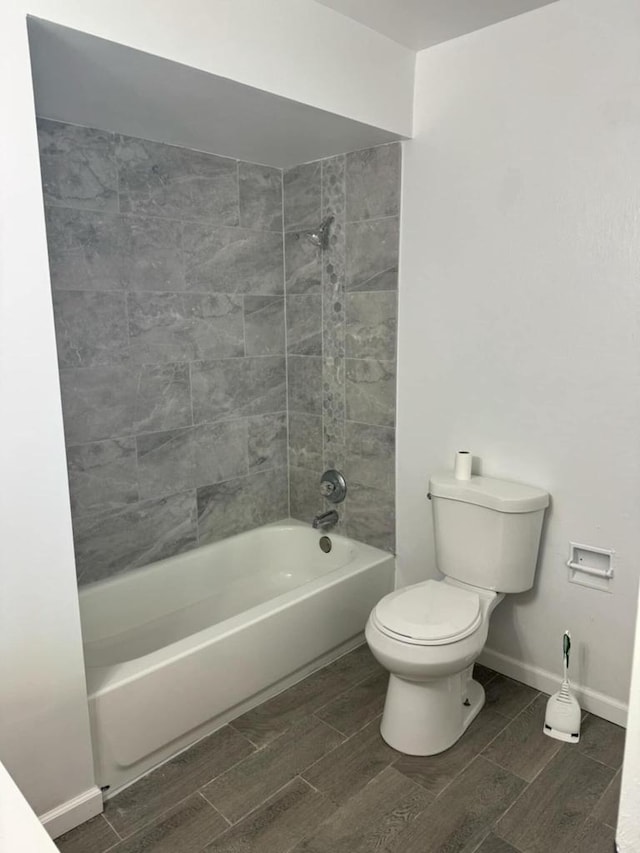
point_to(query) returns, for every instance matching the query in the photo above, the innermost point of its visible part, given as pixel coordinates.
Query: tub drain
(325, 544)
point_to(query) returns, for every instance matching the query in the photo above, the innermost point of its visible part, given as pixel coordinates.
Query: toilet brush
(562, 720)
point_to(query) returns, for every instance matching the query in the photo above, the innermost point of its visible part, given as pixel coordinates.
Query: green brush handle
(566, 647)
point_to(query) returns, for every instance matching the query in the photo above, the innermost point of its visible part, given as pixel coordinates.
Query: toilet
(487, 535)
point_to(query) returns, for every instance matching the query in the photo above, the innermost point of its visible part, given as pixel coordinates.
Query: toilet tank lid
(500, 495)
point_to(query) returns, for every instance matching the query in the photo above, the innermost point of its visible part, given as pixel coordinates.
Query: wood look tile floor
(307, 772)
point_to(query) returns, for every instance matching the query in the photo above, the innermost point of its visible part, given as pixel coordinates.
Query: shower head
(320, 237)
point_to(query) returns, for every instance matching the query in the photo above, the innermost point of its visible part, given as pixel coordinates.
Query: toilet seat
(431, 613)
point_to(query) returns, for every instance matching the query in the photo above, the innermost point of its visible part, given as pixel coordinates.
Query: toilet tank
(487, 532)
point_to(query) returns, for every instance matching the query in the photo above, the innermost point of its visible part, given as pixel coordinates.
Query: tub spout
(325, 520)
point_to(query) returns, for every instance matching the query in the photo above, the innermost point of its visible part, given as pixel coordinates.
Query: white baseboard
(73, 812)
(547, 682)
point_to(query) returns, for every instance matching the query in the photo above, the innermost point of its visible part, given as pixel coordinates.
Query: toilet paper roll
(462, 465)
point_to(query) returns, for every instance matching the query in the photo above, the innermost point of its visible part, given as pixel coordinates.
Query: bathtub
(177, 649)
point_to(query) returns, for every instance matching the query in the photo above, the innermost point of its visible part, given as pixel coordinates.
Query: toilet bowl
(428, 635)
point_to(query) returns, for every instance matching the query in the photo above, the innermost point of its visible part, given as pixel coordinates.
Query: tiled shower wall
(341, 336)
(167, 274)
(168, 283)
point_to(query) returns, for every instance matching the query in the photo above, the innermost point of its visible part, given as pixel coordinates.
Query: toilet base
(427, 717)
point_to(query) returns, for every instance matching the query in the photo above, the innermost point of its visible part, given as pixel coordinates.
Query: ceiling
(423, 23)
(82, 79)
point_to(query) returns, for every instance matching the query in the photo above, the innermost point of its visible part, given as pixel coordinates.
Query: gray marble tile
(78, 166)
(234, 506)
(267, 442)
(259, 776)
(373, 182)
(94, 836)
(106, 251)
(305, 440)
(112, 541)
(462, 816)
(148, 798)
(260, 197)
(233, 260)
(372, 321)
(165, 463)
(163, 397)
(220, 451)
(185, 828)
(371, 392)
(304, 493)
(435, 772)
(98, 402)
(286, 818)
(302, 196)
(303, 264)
(198, 456)
(554, 807)
(87, 250)
(264, 325)
(236, 387)
(371, 516)
(154, 254)
(216, 325)
(370, 457)
(304, 376)
(372, 255)
(352, 765)
(376, 818)
(304, 324)
(164, 180)
(171, 327)
(91, 328)
(102, 474)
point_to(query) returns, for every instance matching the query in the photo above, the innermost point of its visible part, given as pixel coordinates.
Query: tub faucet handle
(327, 488)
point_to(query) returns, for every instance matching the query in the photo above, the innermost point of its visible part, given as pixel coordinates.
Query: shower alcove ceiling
(90, 81)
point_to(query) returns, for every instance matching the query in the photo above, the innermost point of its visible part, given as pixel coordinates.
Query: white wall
(628, 834)
(290, 47)
(519, 311)
(44, 726)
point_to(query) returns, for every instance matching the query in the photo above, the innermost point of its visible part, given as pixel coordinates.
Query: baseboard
(73, 812)
(541, 679)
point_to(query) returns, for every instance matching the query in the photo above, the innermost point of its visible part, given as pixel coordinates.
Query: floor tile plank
(372, 819)
(358, 706)
(493, 844)
(555, 806)
(606, 810)
(602, 740)
(347, 769)
(483, 674)
(523, 748)
(186, 828)
(592, 837)
(250, 783)
(94, 836)
(461, 816)
(271, 719)
(145, 800)
(508, 697)
(283, 821)
(434, 772)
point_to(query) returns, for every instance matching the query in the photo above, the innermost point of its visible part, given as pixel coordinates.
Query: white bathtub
(177, 649)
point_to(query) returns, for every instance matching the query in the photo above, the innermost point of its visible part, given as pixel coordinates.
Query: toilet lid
(430, 612)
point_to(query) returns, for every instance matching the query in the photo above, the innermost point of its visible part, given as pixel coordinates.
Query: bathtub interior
(147, 609)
